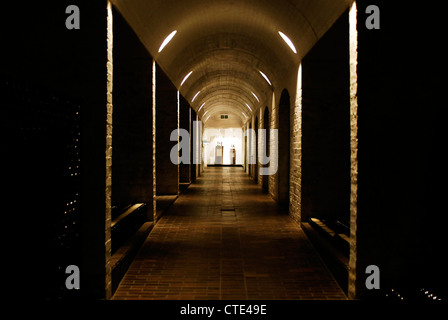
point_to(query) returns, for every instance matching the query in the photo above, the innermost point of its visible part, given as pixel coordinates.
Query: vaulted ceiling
(225, 46)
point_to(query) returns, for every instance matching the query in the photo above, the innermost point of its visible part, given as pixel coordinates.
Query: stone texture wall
(353, 51)
(295, 191)
(108, 160)
(273, 148)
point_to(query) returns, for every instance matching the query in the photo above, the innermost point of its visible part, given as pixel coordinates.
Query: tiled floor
(223, 239)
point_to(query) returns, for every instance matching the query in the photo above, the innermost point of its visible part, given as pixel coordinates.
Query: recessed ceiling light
(201, 107)
(288, 41)
(167, 39)
(186, 77)
(266, 78)
(255, 97)
(196, 95)
(249, 107)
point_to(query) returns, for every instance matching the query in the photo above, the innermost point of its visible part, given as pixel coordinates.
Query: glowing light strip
(265, 77)
(196, 96)
(201, 107)
(186, 77)
(288, 42)
(255, 97)
(167, 39)
(244, 115)
(249, 107)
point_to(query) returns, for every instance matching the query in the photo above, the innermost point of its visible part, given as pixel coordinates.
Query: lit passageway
(225, 239)
(195, 149)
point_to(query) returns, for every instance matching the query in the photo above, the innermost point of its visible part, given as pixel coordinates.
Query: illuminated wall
(228, 138)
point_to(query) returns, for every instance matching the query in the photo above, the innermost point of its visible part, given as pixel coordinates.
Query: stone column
(96, 162)
(167, 182)
(184, 123)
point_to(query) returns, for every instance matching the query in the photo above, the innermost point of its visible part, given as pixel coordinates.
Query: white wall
(228, 137)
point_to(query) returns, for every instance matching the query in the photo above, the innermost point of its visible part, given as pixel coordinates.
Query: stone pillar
(274, 148)
(295, 191)
(185, 123)
(167, 180)
(96, 153)
(284, 141)
(193, 166)
(197, 148)
(353, 262)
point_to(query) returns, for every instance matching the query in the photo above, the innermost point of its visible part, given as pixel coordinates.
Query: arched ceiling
(224, 44)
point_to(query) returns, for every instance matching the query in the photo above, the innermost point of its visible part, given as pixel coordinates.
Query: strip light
(186, 77)
(255, 97)
(196, 96)
(288, 42)
(265, 77)
(167, 40)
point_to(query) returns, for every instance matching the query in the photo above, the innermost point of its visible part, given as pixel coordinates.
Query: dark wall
(184, 123)
(402, 162)
(167, 173)
(48, 74)
(41, 177)
(326, 127)
(132, 167)
(193, 167)
(284, 141)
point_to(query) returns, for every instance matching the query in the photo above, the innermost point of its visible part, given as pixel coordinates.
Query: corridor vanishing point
(349, 93)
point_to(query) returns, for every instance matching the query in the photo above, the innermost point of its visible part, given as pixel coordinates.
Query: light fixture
(244, 115)
(265, 77)
(196, 96)
(255, 97)
(288, 42)
(167, 39)
(186, 77)
(201, 107)
(249, 107)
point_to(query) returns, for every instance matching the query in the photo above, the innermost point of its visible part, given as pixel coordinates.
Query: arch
(266, 126)
(284, 133)
(221, 49)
